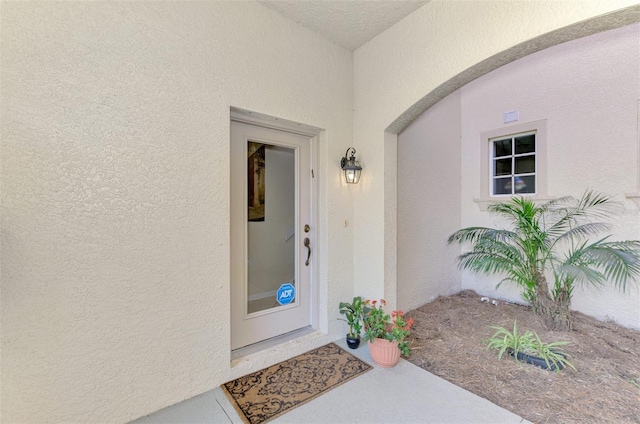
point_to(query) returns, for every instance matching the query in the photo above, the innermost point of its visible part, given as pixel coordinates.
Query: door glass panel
(271, 228)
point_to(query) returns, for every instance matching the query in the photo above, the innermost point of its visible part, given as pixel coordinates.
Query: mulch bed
(447, 341)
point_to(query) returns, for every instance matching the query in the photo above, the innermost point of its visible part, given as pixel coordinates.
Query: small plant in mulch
(529, 348)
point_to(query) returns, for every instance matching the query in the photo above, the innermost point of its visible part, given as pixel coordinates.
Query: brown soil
(447, 341)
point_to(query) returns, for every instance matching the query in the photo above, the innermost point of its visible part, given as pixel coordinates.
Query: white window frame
(512, 156)
(486, 139)
(635, 196)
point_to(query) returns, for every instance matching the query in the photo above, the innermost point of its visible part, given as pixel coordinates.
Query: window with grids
(513, 164)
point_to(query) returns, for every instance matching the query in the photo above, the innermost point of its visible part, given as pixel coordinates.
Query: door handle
(307, 244)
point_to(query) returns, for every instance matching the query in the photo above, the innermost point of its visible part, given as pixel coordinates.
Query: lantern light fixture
(351, 167)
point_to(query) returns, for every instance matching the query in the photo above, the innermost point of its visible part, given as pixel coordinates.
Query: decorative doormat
(269, 393)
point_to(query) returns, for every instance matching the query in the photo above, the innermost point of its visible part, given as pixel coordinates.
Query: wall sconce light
(351, 167)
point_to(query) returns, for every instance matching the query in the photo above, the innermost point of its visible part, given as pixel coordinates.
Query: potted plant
(386, 334)
(353, 315)
(529, 348)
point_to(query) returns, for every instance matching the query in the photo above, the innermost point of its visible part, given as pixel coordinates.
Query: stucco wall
(421, 57)
(429, 204)
(115, 180)
(587, 90)
(115, 195)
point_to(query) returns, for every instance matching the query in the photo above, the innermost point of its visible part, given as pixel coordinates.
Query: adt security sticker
(286, 294)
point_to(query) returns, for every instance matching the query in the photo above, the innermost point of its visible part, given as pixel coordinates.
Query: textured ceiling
(348, 23)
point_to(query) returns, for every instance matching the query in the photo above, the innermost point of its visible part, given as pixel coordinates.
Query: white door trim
(265, 121)
(270, 122)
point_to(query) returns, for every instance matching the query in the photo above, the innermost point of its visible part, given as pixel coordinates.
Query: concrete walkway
(402, 394)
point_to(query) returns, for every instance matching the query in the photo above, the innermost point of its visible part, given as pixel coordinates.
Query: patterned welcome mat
(269, 393)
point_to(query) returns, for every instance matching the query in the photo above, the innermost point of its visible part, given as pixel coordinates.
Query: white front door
(271, 233)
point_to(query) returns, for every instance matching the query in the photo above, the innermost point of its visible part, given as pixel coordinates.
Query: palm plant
(551, 239)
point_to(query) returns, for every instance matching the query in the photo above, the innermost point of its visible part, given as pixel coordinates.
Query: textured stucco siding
(587, 90)
(115, 180)
(425, 57)
(115, 195)
(429, 186)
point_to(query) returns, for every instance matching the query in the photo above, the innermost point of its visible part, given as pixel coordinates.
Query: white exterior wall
(429, 204)
(115, 196)
(588, 91)
(115, 180)
(408, 62)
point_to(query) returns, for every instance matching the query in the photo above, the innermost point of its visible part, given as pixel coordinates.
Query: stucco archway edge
(377, 104)
(578, 30)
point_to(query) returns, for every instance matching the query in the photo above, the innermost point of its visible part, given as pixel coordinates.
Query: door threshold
(269, 343)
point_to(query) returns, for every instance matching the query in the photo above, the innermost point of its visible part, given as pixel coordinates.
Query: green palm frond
(619, 261)
(468, 235)
(494, 257)
(570, 212)
(474, 234)
(520, 212)
(484, 262)
(584, 231)
(556, 203)
(601, 261)
(580, 274)
(551, 238)
(597, 205)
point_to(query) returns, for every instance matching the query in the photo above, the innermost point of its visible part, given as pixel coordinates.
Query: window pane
(526, 184)
(525, 164)
(526, 144)
(502, 186)
(502, 167)
(502, 148)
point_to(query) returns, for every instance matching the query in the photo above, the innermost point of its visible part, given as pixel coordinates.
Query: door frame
(278, 124)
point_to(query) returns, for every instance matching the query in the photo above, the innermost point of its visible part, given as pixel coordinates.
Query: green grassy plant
(529, 344)
(552, 353)
(512, 343)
